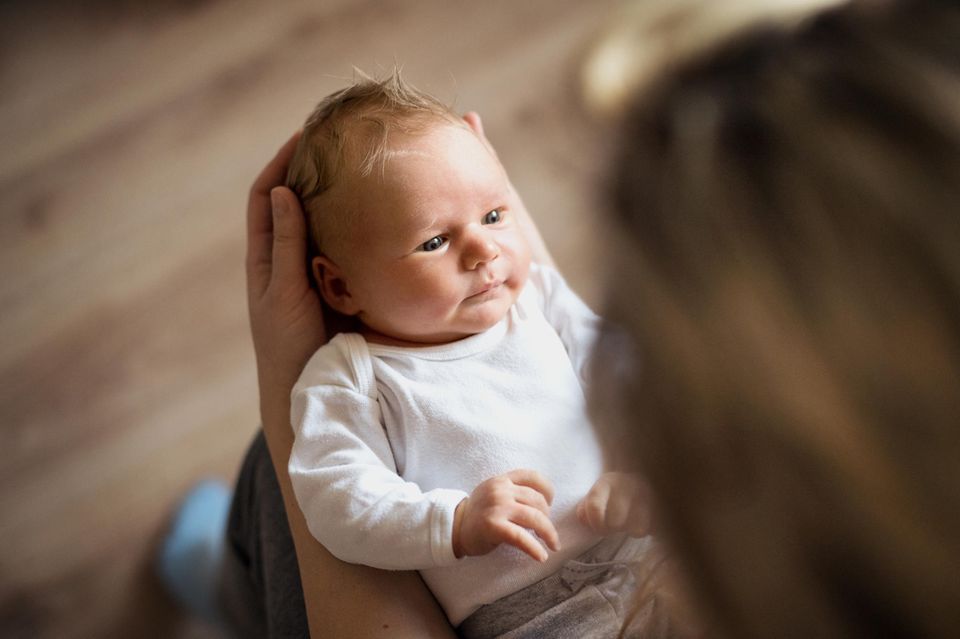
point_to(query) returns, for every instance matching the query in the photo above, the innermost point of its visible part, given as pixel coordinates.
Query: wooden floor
(130, 133)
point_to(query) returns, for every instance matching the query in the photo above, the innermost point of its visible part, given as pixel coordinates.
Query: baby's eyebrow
(432, 224)
(498, 193)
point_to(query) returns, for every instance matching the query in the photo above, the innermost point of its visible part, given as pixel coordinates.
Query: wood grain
(130, 133)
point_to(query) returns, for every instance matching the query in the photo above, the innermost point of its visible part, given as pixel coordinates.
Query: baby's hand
(617, 502)
(500, 510)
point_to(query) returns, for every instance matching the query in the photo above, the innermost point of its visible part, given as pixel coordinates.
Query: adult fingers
(273, 174)
(259, 218)
(289, 237)
(532, 479)
(533, 519)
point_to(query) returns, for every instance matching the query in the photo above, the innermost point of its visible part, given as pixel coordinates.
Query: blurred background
(131, 132)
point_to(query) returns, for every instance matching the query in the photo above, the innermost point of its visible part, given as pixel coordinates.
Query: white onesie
(390, 439)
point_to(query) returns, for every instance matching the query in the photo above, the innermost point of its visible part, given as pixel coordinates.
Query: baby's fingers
(537, 521)
(532, 498)
(592, 509)
(629, 505)
(619, 507)
(520, 538)
(532, 479)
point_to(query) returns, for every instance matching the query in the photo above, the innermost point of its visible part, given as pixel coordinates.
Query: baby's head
(414, 224)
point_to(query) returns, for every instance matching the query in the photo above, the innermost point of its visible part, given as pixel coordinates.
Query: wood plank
(131, 132)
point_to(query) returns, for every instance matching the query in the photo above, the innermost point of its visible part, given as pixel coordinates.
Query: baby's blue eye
(492, 217)
(433, 244)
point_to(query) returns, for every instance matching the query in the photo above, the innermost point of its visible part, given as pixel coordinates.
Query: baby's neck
(376, 337)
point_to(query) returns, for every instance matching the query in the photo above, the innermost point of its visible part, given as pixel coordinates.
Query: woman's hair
(786, 262)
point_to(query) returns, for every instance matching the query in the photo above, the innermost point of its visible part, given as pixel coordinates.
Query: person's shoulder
(343, 361)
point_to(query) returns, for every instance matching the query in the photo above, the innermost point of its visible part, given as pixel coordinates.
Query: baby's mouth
(487, 288)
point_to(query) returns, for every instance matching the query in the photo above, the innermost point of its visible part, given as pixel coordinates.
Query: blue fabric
(191, 555)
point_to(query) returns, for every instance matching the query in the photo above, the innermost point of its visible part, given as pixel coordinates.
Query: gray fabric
(591, 597)
(260, 592)
(261, 596)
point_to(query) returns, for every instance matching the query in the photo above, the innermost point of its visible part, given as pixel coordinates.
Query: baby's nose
(480, 248)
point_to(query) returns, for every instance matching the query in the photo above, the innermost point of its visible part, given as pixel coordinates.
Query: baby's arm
(355, 503)
(501, 510)
(617, 502)
(346, 484)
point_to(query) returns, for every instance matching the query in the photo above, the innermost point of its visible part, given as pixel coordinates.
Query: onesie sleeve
(344, 476)
(576, 324)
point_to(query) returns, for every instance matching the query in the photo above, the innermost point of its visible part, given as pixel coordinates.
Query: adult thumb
(289, 235)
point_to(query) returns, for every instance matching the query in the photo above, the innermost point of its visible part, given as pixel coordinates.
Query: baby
(448, 434)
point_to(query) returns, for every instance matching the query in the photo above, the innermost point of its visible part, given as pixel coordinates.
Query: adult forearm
(346, 600)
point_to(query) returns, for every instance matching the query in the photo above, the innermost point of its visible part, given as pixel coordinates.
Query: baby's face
(437, 252)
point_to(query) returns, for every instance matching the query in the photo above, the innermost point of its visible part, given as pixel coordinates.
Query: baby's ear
(332, 285)
(472, 118)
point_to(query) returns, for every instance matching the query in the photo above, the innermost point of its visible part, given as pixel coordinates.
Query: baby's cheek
(442, 307)
(521, 251)
(521, 270)
(417, 311)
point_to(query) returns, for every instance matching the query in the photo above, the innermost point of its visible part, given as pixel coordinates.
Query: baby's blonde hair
(354, 124)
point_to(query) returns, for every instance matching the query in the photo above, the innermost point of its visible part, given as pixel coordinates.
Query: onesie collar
(466, 347)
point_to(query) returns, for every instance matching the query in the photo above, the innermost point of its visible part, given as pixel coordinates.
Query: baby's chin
(436, 337)
(474, 316)
(489, 313)
(480, 319)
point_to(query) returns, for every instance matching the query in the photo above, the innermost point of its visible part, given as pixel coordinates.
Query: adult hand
(286, 318)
